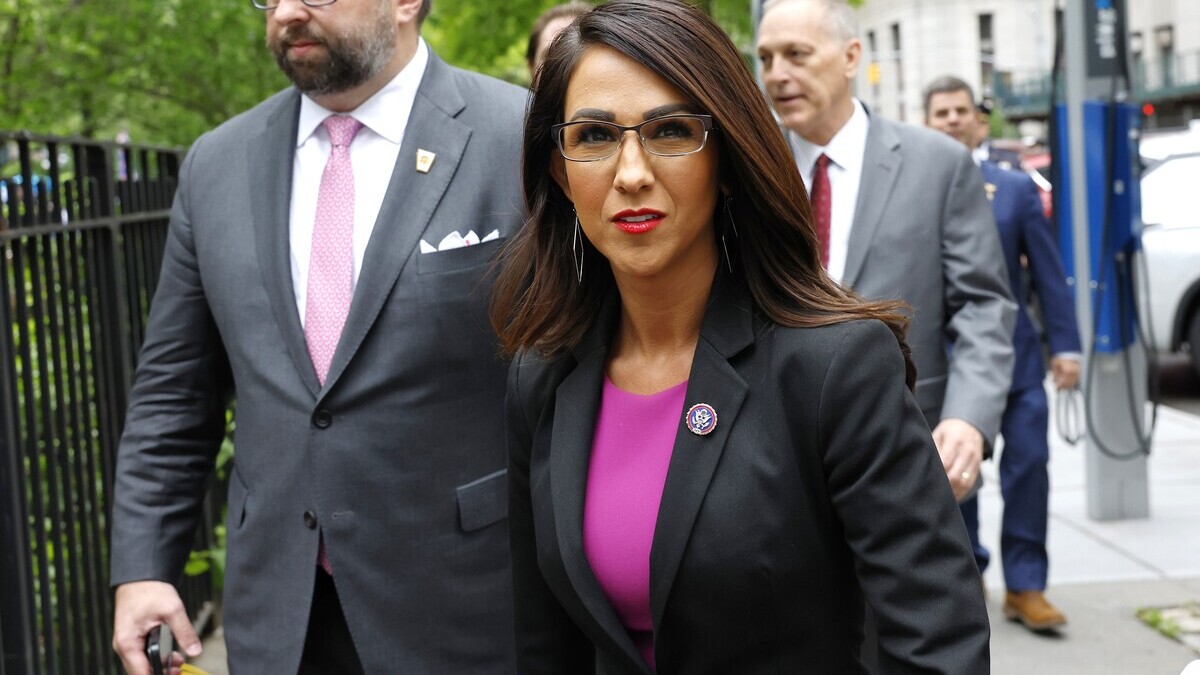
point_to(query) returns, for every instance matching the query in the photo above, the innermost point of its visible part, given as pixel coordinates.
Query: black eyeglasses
(272, 4)
(670, 136)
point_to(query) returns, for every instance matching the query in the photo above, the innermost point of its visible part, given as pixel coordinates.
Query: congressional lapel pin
(990, 189)
(701, 419)
(425, 160)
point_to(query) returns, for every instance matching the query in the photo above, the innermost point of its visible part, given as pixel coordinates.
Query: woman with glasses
(715, 456)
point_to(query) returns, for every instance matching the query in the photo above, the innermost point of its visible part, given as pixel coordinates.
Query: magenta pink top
(631, 450)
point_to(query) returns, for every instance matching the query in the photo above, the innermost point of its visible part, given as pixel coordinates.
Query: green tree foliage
(167, 70)
(492, 37)
(164, 70)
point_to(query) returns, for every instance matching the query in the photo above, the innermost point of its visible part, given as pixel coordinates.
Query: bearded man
(326, 262)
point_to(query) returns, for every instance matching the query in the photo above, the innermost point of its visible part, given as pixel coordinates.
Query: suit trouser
(328, 647)
(1025, 486)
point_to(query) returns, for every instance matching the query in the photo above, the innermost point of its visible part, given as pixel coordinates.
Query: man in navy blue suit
(1028, 244)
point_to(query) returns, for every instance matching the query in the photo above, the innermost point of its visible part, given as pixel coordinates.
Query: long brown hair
(538, 302)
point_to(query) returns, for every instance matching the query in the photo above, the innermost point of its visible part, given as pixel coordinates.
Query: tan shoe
(1032, 609)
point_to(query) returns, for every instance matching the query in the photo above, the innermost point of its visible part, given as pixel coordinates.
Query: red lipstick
(638, 221)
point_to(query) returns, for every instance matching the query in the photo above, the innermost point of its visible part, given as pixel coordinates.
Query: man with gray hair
(327, 262)
(901, 214)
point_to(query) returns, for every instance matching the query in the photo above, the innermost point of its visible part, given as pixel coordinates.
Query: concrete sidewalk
(1101, 573)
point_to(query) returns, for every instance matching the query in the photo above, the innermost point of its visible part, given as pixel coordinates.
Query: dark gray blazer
(399, 458)
(924, 233)
(820, 486)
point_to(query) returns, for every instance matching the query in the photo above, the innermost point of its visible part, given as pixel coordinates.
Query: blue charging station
(1113, 216)
(1098, 208)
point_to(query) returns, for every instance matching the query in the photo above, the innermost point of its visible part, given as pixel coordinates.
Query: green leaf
(198, 564)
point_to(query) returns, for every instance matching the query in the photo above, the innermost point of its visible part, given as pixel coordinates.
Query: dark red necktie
(820, 205)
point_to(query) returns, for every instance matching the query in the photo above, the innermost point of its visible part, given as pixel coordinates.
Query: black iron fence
(82, 230)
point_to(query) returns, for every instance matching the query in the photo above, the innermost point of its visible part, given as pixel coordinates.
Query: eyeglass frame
(267, 5)
(706, 120)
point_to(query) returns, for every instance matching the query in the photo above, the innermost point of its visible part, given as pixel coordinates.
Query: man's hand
(1065, 371)
(960, 446)
(140, 606)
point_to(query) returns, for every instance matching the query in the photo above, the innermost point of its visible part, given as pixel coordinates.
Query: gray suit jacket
(924, 233)
(399, 458)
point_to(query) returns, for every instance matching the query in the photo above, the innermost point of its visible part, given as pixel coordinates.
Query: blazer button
(310, 520)
(322, 418)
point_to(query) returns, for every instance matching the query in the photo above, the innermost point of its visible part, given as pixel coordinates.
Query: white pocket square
(456, 240)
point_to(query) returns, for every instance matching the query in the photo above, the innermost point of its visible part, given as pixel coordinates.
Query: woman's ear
(558, 171)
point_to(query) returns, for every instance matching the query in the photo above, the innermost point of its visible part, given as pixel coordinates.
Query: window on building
(1165, 36)
(898, 60)
(1137, 46)
(987, 54)
(873, 75)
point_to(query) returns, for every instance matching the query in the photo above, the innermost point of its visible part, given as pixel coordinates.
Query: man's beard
(348, 61)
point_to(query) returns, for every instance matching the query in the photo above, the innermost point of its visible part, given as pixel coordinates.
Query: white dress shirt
(980, 154)
(373, 154)
(845, 151)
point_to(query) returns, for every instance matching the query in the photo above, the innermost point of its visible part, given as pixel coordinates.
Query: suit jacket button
(322, 419)
(310, 520)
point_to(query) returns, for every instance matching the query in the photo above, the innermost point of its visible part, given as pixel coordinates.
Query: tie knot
(341, 129)
(823, 161)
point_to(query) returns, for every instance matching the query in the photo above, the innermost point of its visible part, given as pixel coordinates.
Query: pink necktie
(331, 263)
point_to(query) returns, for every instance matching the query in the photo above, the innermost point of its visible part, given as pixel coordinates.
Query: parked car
(1171, 255)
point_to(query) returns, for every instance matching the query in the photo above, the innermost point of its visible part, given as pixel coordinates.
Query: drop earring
(577, 251)
(729, 223)
(729, 213)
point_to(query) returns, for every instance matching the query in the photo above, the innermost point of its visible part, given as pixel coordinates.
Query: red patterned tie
(331, 265)
(820, 205)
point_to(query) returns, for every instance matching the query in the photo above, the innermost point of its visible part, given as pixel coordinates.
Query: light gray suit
(924, 233)
(399, 458)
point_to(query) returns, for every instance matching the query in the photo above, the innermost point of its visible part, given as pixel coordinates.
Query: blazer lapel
(576, 401)
(408, 207)
(269, 158)
(728, 328)
(881, 167)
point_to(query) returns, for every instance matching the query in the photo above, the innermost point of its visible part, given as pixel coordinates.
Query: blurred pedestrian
(981, 145)
(900, 213)
(715, 454)
(548, 25)
(1024, 480)
(326, 261)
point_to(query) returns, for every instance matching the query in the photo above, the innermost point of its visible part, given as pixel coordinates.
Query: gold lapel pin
(990, 189)
(425, 160)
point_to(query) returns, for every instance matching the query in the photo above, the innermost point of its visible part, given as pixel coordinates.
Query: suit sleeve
(176, 416)
(1049, 279)
(548, 642)
(979, 309)
(887, 486)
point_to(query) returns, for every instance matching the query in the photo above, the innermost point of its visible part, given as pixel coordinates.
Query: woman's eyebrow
(669, 109)
(594, 114)
(608, 116)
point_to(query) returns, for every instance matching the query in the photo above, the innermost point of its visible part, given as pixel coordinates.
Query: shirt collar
(980, 154)
(377, 113)
(845, 149)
